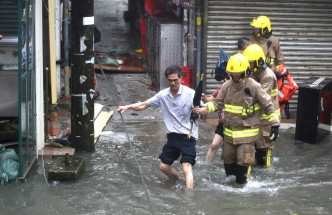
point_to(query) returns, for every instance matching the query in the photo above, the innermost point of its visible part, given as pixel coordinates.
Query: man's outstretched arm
(136, 106)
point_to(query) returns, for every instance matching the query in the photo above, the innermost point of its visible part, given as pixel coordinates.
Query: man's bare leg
(169, 171)
(188, 174)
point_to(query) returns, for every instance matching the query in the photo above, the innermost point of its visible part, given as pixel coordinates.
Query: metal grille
(164, 48)
(303, 27)
(8, 17)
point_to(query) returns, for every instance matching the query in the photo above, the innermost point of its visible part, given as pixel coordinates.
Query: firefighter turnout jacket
(272, 50)
(268, 80)
(244, 102)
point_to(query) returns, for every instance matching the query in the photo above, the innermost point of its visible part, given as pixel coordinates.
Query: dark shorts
(220, 130)
(179, 144)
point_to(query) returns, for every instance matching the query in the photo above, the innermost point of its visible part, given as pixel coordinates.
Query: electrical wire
(44, 171)
(147, 194)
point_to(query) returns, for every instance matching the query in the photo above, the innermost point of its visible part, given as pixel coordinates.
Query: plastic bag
(7, 154)
(64, 137)
(109, 62)
(8, 170)
(118, 51)
(2, 148)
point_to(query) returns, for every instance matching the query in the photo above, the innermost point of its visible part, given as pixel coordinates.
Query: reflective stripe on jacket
(242, 111)
(268, 80)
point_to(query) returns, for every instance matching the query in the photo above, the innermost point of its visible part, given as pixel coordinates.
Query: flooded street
(299, 181)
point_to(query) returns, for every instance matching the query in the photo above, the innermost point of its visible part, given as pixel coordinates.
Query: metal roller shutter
(8, 17)
(303, 27)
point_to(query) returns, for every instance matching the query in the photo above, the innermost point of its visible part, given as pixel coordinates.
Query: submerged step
(66, 168)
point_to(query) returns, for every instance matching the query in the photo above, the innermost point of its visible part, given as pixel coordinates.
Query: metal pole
(46, 101)
(66, 45)
(82, 85)
(198, 46)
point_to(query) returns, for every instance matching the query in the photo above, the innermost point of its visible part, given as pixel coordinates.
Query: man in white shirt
(176, 104)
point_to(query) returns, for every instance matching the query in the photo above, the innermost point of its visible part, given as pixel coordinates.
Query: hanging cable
(100, 67)
(147, 194)
(44, 171)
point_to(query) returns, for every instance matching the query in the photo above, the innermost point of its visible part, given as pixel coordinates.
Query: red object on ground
(152, 86)
(65, 99)
(1, 37)
(186, 74)
(155, 7)
(143, 35)
(54, 131)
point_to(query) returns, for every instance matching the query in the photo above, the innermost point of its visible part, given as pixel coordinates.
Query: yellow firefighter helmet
(238, 64)
(255, 53)
(262, 22)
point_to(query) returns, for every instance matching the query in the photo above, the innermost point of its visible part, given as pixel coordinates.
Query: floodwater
(299, 181)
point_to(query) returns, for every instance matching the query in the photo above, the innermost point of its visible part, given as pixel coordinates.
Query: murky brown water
(299, 182)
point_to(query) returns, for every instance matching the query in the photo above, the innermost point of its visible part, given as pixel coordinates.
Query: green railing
(27, 85)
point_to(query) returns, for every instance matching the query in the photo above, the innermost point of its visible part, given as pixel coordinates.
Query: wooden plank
(97, 108)
(51, 23)
(127, 63)
(100, 123)
(122, 68)
(52, 151)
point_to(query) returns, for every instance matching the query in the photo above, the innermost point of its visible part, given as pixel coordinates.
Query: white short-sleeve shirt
(176, 110)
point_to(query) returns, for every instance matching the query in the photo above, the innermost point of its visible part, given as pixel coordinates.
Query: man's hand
(122, 109)
(203, 97)
(274, 133)
(200, 110)
(206, 98)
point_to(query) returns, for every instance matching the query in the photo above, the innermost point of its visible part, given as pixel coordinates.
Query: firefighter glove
(274, 133)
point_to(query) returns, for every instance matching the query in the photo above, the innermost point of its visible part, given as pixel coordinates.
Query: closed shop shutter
(8, 17)
(303, 27)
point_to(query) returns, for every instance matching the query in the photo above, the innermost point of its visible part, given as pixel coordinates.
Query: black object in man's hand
(274, 133)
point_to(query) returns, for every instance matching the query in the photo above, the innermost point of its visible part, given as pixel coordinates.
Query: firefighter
(266, 77)
(217, 141)
(262, 35)
(243, 43)
(243, 100)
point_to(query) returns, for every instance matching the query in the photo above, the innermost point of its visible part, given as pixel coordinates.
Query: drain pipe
(178, 8)
(198, 46)
(66, 45)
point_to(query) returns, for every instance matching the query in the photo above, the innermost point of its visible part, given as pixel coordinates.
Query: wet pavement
(299, 181)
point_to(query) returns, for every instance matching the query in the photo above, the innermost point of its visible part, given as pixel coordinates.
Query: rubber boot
(241, 174)
(260, 157)
(230, 169)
